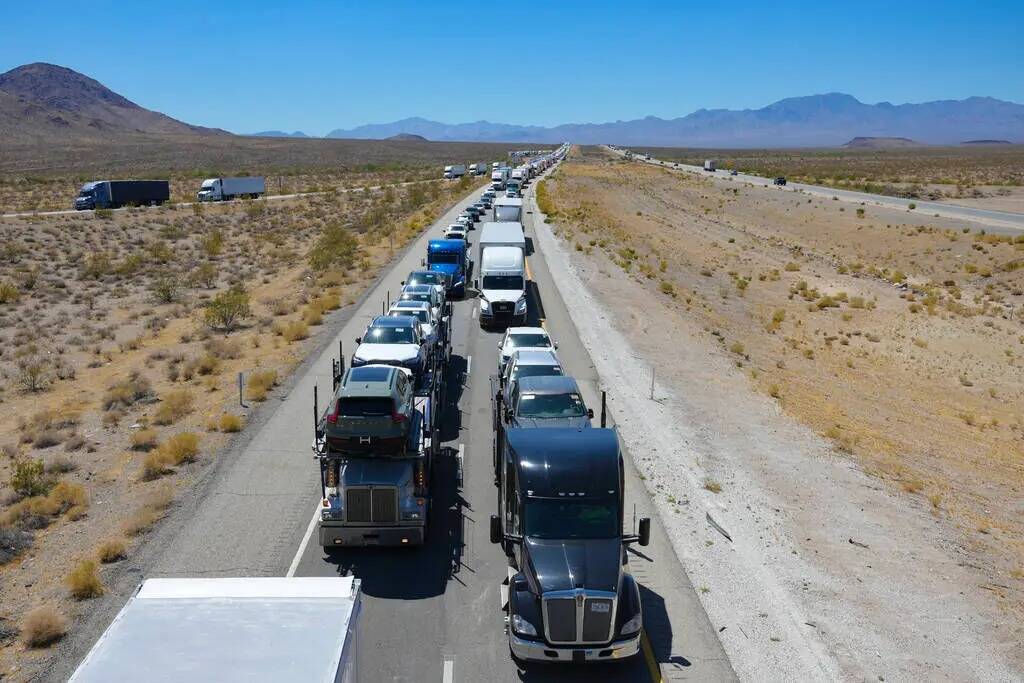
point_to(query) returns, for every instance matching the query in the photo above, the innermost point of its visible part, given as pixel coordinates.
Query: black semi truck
(113, 194)
(568, 596)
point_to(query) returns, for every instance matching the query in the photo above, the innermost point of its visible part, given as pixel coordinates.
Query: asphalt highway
(430, 613)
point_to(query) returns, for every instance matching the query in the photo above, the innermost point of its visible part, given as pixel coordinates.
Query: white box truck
(508, 209)
(502, 271)
(498, 178)
(710, 165)
(231, 629)
(223, 189)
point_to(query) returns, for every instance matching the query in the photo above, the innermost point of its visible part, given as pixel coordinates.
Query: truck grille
(371, 504)
(579, 617)
(561, 620)
(503, 307)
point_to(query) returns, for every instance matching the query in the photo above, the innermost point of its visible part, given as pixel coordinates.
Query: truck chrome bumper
(333, 535)
(536, 651)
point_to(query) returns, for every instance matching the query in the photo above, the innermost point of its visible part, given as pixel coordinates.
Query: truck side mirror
(645, 530)
(495, 529)
(403, 283)
(476, 283)
(590, 413)
(423, 261)
(359, 340)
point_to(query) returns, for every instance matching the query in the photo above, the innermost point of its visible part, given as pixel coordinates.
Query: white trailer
(710, 165)
(508, 209)
(502, 283)
(251, 629)
(454, 171)
(223, 189)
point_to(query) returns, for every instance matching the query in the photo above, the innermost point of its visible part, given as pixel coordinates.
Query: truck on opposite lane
(113, 194)
(225, 189)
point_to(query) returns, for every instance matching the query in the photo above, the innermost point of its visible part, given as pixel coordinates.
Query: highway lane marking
(469, 365)
(305, 541)
(473, 313)
(448, 673)
(652, 663)
(460, 463)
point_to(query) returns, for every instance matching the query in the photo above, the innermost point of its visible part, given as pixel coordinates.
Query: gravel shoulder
(829, 574)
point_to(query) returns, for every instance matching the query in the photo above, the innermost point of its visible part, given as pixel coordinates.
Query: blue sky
(315, 66)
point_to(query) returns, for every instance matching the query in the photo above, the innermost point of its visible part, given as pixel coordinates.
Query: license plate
(600, 607)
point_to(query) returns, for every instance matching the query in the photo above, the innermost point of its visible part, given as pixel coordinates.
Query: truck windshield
(424, 279)
(390, 335)
(564, 519)
(503, 282)
(443, 257)
(87, 193)
(364, 406)
(551, 406)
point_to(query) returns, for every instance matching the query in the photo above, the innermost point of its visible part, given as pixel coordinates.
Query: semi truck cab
(569, 596)
(450, 257)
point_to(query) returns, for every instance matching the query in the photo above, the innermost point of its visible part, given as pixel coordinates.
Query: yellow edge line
(652, 664)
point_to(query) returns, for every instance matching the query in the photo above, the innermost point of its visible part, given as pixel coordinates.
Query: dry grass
(42, 627)
(83, 582)
(259, 384)
(151, 512)
(111, 550)
(175, 405)
(230, 423)
(144, 439)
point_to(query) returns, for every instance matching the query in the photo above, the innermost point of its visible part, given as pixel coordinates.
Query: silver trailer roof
(230, 629)
(509, 234)
(509, 201)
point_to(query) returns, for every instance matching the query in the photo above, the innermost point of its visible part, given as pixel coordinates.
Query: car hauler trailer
(373, 498)
(212, 630)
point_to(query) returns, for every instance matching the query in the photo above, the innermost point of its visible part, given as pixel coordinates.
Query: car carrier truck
(376, 443)
(211, 630)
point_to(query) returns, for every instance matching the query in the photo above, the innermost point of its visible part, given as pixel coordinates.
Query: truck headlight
(522, 626)
(633, 625)
(521, 305)
(485, 305)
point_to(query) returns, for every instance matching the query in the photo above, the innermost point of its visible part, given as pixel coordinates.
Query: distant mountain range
(46, 101)
(278, 134)
(813, 121)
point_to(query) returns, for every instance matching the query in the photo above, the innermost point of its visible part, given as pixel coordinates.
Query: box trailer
(710, 165)
(454, 171)
(212, 630)
(508, 209)
(113, 194)
(223, 189)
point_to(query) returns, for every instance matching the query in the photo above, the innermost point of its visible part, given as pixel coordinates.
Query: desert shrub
(294, 331)
(259, 384)
(155, 465)
(180, 448)
(223, 348)
(111, 550)
(43, 626)
(13, 541)
(205, 275)
(126, 392)
(144, 440)
(66, 496)
(8, 293)
(213, 244)
(34, 368)
(175, 405)
(336, 247)
(96, 266)
(668, 288)
(230, 423)
(792, 267)
(83, 582)
(227, 308)
(29, 479)
(166, 288)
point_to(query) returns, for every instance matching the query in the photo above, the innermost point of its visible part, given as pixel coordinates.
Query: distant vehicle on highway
(224, 189)
(113, 194)
(454, 171)
(710, 165)
(781, 180)
(734, 172)
(456, 231)
(546, 402)
(522, 338)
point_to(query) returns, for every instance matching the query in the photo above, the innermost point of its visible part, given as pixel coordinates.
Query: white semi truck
(710, 165)
(454, 171)
(502, 283)
(211, 630)
(224, 189)
(499, 177)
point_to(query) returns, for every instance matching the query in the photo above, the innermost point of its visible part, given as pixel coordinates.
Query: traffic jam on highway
(566, 593)
(559, 477)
